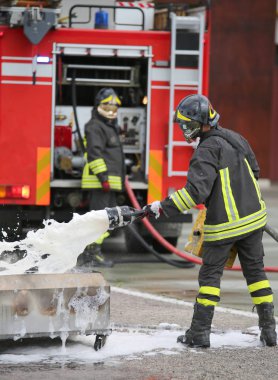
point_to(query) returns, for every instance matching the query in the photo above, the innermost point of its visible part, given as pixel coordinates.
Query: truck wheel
(99, 342)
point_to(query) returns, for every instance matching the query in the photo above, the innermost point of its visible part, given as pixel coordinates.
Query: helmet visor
(190, 129)
(108, 110)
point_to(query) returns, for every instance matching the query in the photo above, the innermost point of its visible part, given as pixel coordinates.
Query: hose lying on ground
(175, 263)
(169, 246)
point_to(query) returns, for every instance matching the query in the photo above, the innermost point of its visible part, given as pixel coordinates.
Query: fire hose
(176, 251)
(175, 263)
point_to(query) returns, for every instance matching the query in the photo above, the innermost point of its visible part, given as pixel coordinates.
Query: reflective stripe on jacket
(105, 159)
(223, 175)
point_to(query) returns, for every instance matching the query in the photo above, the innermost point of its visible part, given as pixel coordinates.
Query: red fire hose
(169, 246)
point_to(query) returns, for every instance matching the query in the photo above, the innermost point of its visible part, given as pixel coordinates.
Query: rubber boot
(267, 323)
(92, 256)
(199, 333)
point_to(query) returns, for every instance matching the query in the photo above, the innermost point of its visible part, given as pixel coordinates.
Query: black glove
(122, 216)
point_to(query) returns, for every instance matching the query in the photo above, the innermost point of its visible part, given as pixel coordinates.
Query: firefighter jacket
(105, 158)
(223, 175)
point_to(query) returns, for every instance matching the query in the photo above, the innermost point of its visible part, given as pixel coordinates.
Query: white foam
(63, 242)
(86, 307)
(124, 346)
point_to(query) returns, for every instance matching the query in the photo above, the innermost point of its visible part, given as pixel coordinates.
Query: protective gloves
(105, 186)
(122, 216)
(154, 209)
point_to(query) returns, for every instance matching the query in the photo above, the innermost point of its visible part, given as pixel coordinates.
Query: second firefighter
(104, 172)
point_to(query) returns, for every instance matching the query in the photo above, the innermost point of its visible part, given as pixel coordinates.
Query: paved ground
(166, 280)
(254, 363)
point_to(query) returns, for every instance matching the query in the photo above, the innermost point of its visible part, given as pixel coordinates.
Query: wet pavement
(131, 306)
(163, 279)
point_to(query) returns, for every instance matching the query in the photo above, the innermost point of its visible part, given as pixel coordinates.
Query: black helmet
(107, 103)
(107, 96)
(192, 113)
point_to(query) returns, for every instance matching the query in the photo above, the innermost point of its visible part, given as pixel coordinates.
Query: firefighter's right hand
(122, 216)
(154, 209)
(105, 186)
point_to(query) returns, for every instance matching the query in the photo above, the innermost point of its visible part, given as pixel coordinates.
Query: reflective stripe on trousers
(250, 253)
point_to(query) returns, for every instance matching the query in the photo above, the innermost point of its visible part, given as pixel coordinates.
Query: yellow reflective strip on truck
(155, 175)
(43, 177)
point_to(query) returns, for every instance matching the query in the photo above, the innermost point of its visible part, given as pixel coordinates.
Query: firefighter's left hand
(154, 209)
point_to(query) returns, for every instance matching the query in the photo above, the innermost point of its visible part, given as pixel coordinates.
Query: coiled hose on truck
(179, 253)
(74, 106)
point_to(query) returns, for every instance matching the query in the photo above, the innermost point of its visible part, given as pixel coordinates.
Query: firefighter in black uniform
(223, 175)
(104, 171)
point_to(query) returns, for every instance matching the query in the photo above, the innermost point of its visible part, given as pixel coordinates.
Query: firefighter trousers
(250, 254)
(98, 200)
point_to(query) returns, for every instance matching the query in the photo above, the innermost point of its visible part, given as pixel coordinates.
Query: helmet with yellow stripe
(107, 103)
(192, 113)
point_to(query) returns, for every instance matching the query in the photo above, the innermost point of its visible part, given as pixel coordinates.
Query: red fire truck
(49, 77)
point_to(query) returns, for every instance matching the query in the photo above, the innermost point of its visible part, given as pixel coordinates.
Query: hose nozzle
(121, 216)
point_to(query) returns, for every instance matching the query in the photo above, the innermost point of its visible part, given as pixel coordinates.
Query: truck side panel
(25, 120)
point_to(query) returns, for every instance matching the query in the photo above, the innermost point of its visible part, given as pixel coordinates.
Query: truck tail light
(15, 191)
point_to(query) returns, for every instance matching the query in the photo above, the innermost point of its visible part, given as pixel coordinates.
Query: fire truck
(50, 75)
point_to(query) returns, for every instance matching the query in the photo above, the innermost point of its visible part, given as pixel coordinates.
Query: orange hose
(169, 246)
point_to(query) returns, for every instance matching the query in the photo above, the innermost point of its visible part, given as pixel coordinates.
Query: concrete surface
(167, 280)
(245, 363)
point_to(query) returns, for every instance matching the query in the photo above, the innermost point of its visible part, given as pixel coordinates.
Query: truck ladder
(189, 23)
